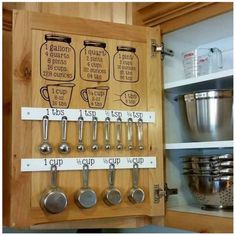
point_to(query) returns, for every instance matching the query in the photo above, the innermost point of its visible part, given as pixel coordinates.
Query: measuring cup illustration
(58, 95)
(95, 96)
(129, 98)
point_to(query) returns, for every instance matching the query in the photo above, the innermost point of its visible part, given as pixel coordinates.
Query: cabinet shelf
(221, 79)
(195, 145)
(197, 210)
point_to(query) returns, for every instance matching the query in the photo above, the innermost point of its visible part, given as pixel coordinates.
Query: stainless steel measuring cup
(53, 200)
(80, 146)
(85, 197)
(112, 195)
(136, 194)
(45, 147)
(64, 147)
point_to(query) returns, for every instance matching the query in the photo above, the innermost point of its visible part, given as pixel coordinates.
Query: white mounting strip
(94, 163)
(33, 113)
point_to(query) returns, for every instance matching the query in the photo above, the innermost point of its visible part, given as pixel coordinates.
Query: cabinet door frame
(23, 23)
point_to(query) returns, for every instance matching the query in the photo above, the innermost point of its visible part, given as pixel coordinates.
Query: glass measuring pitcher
(215, 60)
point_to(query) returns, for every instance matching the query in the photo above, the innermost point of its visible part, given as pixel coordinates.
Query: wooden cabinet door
(121, 79)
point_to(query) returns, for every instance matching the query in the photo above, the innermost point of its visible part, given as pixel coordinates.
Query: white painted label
(94, 163)
(33, 113)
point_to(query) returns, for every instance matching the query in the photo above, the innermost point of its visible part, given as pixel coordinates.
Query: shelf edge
(204, 78)
(193, 145)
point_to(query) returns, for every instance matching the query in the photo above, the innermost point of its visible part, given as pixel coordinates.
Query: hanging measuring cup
(112, 195)
(136, 194)
(53, 200)
(85, 197)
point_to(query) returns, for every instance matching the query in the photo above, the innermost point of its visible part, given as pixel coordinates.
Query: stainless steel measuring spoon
(85, 197)
(130, 134)
(119, 145)
(53, 200)
(136, 194)
(112, 195)
(107, 133)
(94, 134)
(64, 147)
(80, 146)
(140, 134)
(45, 147)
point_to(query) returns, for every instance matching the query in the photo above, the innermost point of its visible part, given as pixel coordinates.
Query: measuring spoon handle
(118, 133)
(140, 134)
(95, 124)
(64, 128)
(130, 134)
(107, 133)
(81, 128)
(45, 128)
(107, 130)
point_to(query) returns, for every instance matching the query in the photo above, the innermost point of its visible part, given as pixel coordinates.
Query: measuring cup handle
(84, 95)
(44, 93)
(53, 176)
(85, 175)
(111, 175)
(219, 58)
(135, 175)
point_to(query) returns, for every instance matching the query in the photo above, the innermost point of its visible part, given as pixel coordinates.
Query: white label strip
(33, 113)
(94, 163)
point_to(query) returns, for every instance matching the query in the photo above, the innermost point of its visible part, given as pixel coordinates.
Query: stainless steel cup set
(64, 147)
(210, 179)
(54, 200)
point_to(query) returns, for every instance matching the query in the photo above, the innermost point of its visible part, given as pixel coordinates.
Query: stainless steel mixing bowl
(209, 114)
(212, 191)
(215, 171)
(207, 165)
(207, 158)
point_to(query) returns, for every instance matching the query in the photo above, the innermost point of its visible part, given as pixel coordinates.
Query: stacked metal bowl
(210, 179)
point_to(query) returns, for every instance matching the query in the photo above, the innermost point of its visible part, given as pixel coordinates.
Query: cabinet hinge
(155, 48)
(159, 192)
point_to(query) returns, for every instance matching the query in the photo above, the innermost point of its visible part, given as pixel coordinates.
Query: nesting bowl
(210, 179)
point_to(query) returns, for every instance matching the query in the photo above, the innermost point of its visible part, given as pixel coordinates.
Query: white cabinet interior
(214, 32)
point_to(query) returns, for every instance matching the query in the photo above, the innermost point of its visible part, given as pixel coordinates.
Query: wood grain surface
(28, 78)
